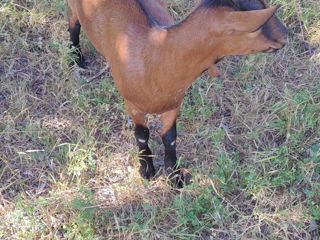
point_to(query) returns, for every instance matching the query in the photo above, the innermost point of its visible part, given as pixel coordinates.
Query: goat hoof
(81, 63)
(180, 178)
(176, 178)
(147, 171)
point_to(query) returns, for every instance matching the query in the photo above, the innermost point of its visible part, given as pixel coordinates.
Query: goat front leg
(141, 133)
(74, 30)
(169, 136)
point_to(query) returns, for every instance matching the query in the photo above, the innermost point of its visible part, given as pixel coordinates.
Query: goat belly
(156, 107)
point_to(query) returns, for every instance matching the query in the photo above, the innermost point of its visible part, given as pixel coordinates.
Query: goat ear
(249, 21)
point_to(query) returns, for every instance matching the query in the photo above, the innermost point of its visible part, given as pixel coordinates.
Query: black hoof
(147, 170)
(179, 178)
(81, 62)
(82, 65)
(176, 178)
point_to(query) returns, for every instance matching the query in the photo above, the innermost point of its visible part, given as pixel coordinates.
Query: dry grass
(68, 161)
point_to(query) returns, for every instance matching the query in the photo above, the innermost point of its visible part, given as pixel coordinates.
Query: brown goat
(154, 61)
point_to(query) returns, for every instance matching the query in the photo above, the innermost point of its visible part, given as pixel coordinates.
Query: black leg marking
(170, 158)
(146, 166)
(74, 38)
(169, 141)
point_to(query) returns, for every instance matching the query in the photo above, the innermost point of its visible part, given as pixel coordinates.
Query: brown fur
(153, 66)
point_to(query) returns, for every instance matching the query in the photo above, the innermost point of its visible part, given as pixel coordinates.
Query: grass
(68, 160)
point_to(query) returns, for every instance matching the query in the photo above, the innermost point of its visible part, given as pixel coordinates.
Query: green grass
(68, 160)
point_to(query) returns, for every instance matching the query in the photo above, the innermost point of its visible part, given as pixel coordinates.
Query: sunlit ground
(69, 165)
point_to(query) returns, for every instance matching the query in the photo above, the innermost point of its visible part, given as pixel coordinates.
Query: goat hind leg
(74, 30)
